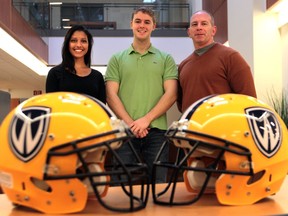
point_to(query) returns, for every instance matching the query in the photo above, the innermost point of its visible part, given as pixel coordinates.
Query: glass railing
(104, 16)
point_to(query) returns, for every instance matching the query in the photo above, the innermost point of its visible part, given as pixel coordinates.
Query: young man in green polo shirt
(141, 85)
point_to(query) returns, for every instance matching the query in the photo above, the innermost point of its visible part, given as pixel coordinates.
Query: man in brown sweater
(212, 68)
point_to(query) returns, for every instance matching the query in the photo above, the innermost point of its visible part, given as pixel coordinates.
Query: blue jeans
(147, 148)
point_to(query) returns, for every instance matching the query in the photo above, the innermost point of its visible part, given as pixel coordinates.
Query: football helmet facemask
(53, 151)
(232, 145)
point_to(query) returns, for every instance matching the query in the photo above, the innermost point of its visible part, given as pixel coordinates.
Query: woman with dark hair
(74, 73)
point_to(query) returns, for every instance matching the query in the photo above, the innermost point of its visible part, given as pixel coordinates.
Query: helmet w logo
(265, 129)
(27, 132)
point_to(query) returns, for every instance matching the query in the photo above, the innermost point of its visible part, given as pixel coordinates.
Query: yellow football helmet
(53, 151)
(232, 145)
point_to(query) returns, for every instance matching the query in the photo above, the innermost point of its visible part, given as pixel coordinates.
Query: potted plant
(280, 104)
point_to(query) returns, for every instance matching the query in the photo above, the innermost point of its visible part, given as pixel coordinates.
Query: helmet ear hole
(256, 177)
(42, 185)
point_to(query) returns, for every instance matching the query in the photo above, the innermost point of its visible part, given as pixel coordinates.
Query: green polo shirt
(141, 78)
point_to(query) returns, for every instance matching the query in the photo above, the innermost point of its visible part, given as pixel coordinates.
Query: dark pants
(147, 148)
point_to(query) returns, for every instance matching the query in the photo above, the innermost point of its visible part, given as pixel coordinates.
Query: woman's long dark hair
(67, 59)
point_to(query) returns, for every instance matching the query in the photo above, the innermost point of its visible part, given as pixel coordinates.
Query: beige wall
(254, 32)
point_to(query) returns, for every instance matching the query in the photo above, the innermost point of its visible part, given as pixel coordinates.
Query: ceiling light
(55, 3)
(281, 8)
(12, 47)
(149, 1)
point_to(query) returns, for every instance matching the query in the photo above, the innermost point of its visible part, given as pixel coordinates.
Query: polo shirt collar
(150, 50)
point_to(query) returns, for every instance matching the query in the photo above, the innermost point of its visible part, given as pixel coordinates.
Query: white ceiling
(15, 75)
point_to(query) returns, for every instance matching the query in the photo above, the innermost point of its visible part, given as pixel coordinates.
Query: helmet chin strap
(196, 178)
(95, 168)
(94, 160)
